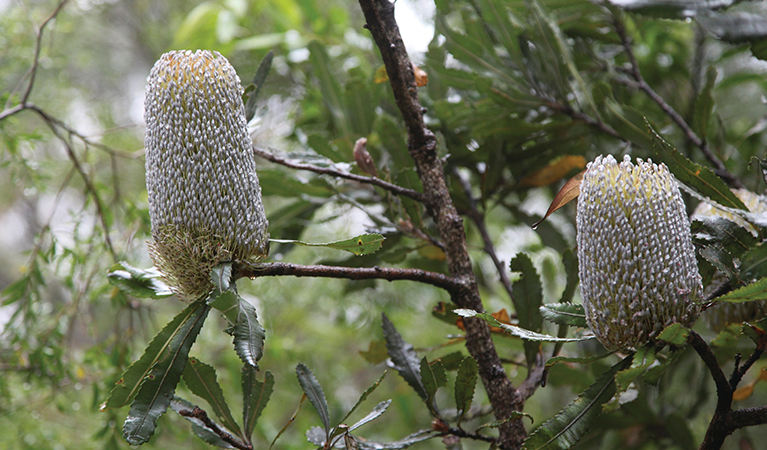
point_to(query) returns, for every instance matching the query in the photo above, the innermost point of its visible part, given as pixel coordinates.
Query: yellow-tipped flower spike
(204, 197)
(637, 265)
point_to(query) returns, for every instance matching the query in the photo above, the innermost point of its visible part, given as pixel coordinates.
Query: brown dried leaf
(569, 191)
(554, 171)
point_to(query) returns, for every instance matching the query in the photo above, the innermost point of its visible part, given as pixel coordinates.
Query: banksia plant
(204, 197)
(637, 264)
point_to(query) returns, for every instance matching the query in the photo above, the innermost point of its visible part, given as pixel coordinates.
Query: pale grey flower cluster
(638, 272)
(200, 170)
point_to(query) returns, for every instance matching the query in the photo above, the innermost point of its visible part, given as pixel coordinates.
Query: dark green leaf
(749, 293)
(15, 291)
(570, 262)
(465, 382)
(569, 425)
(248, 335)
(528, 298)
(138, 282)
(704, 104)
(571, 314)
(255, 396)
(199, 428)
(200, 378)
(517, 331)
(514, 415)
(364, 396)
(753, 263)
(576, 360)
(698, 177)
(653, 374)
(258, 82)
(331, 91)
(313, 391)
(221, 276)
(157, 389)
(433, 377)
(128, 386)
(376, 413)
(674, 334)
(359, 245)
(729, 235)
(404, 357)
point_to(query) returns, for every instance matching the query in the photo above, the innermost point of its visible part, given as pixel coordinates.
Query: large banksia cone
(204, 197)
(635, 254)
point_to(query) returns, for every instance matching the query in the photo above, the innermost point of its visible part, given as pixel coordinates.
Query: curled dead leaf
(569, 191)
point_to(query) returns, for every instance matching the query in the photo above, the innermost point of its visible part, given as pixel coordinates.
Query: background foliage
(520, 94)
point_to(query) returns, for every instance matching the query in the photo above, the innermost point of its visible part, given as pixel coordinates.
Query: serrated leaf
(403, 357)
(675, 334)
(577, 360)
(749, 293)
(364, 396)
(138, 282)
(517, 331)
(359, 245)
(157, 389)
(433, 377)
(528, 298)
(376, 413)
(200, 378)
(129, 383)
(248, 334)
(698, 177)
(255, 396)
(571, 314)
(465, 383)
(313, 391)
(221, 276)
(731, 236)
(569, 425)
(198, 426)
(568, 192)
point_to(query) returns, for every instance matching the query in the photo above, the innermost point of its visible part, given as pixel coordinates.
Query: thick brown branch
(202, 416)
(350, 273)
(393, 188)
(639, 82)
(422, 144)
(723, 389)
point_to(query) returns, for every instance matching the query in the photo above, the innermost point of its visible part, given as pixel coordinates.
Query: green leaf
(258, 82)
(749, 293)
(199, 427)
(675, 334)
(732, 237)
(514, 415)
(569, 425)
(331, 91)
(704, 104)
(376, 413)
(364, 396)
(517, 331)
(15, 291)
(577, 360)
(255, 396)
(570, 261)
(359, 245)
(698, 177)
(404, 357)
(653, 374)
(248, 333)
(157, 388)
(137, 282)
(571, 314)
(200, 378)
(433, 377)
(643, 359)
(129, 383)
(465, 382)
(737, 28)
(313, 391)
(528, 298)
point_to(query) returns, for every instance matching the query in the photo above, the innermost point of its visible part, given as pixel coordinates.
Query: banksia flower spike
(204, 197)
(637, 264)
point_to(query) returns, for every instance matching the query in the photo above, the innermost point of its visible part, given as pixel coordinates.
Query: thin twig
(479, 220)
(639, 82)
(393, 188)
(439, 280)
(585, 118)
(202, 416)
(38, 47)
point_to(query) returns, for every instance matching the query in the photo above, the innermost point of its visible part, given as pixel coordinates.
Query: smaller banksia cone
(204, 197)
(637, 264)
